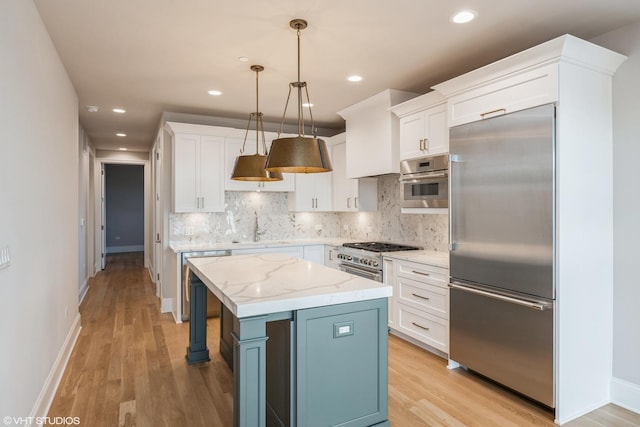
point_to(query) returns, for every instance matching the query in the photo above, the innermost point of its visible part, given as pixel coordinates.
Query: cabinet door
(185, 172)
(412, 135)
(313, 193)
(351, 195)
(506, 95)
(437, 139)
(211, 158)
(323, 192)
(341, 184)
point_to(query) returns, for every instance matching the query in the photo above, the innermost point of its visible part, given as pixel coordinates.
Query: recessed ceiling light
(243, 59)
(464, 16)
(121, 134)
(307, 105)
(123, 149)
(91, 108)
(119, 110)
(214, 92)
(354, 78)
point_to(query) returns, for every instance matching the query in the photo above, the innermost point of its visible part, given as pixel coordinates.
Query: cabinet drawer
(437, 276)
(428, 329)
(506, 95)
(429, 298)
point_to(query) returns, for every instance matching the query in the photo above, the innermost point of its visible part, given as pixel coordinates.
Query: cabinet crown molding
(566, 48)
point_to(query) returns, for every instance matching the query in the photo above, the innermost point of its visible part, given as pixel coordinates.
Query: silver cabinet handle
(420, 273)
(421, 144)
(426, 144)
(421, 297)
(203, 203)
(356, 202)
(534, 305)
(419, 326)
(348, 202)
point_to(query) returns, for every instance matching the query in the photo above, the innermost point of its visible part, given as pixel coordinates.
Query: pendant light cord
(299, 85)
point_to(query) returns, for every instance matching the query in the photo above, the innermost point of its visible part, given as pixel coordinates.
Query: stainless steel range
(364, 259)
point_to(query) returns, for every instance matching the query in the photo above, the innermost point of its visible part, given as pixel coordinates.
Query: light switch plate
(5, 257)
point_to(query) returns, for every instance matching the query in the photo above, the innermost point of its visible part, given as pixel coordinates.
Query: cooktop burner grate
(380, 246)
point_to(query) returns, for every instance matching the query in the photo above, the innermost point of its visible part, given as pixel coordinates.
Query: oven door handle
(377, 276)
(423, 175)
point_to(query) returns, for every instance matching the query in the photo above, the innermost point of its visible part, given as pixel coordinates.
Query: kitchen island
(309, 342)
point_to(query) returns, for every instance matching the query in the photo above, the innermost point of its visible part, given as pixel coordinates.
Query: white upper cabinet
(313, 192)
(423, 126)
(350, 195)
(232, 147)
(373, 135)
(197, 169)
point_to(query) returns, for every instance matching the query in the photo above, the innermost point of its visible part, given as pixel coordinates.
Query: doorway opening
(123, 210)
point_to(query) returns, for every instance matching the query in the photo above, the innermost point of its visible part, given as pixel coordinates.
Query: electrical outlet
(189, 231)
(318, 227)
(369, 229)
(346, 227)
(66, 312)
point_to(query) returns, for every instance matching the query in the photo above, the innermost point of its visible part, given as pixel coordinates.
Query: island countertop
(258, 284)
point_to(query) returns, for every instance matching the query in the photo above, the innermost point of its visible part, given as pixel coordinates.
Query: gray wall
(124, 207)
(626, 202)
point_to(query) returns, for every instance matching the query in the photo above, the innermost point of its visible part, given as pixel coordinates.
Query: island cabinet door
(342, 373)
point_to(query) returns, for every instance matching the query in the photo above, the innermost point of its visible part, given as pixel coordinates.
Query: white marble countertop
(192, 247)
(253, 285)
(438, 259)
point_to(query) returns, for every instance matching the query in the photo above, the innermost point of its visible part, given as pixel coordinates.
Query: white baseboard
(48, 392)
(625, 394)
(121, 249)
(83, 291)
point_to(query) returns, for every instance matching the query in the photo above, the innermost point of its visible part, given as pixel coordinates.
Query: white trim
(83, 291)
(48, 392)
(582, 411)
(625, 394)
(121, 249)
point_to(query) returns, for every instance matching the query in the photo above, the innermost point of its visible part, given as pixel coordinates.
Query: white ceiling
(151, 56)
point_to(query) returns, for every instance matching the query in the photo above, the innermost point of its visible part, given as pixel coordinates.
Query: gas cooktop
(380, 246)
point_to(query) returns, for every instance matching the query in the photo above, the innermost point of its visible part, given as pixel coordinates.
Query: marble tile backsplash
(275, 222)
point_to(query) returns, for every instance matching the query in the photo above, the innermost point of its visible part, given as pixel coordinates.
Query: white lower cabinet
(419, 307)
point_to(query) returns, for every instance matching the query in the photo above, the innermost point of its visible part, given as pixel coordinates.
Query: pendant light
(251, 167)
(299, 154)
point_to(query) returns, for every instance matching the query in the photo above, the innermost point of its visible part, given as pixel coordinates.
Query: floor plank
(128, 368)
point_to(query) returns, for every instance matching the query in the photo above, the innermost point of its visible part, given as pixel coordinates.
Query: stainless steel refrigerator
(502, 249)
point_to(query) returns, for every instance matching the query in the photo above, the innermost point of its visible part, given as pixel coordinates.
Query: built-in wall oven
(424, 182)
(364, 259)
(213, 303)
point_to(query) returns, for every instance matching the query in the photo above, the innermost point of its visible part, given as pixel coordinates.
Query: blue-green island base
(322, 366)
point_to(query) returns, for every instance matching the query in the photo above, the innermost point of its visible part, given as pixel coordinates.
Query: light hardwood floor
(128, 368)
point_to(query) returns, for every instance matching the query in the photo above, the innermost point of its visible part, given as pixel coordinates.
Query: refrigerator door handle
(452, 159)
(541, 306)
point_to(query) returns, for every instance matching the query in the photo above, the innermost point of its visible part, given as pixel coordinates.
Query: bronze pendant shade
(298, 154)
(252, 167)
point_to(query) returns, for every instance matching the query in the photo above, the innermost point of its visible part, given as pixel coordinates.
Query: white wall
(626, 205)
(38, 208)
